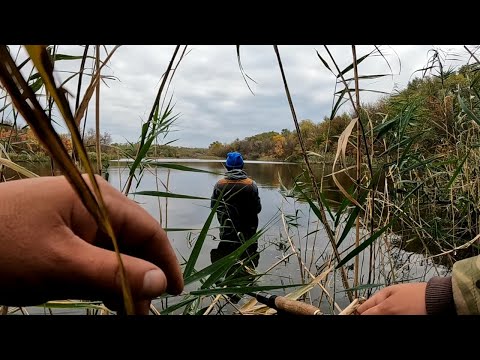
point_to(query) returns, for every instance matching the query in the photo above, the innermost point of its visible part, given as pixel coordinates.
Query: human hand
(400, 299)
(51, 247)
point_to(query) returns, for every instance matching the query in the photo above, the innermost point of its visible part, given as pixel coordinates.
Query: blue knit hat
(234, 161)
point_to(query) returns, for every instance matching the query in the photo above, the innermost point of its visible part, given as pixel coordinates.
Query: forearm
(439, 296)
(459, 293)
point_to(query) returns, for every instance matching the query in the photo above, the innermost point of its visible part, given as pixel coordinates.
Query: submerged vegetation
(411, 157)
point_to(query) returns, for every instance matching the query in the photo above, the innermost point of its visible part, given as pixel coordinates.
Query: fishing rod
(283, 304)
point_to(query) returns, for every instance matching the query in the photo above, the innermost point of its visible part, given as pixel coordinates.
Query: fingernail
(153, 283)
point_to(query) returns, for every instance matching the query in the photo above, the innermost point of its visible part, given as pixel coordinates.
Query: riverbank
(107, 157)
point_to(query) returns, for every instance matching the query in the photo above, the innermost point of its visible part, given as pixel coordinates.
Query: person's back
(239, 205)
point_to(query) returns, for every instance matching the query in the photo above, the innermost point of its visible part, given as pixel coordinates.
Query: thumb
(98, 275)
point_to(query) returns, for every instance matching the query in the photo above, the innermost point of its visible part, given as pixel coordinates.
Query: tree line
(431, 100)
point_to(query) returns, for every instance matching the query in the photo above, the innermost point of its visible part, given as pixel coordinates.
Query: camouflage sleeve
(466, 286)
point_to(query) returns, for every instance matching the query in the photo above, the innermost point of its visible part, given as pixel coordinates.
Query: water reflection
(270, 175)
(266, 175)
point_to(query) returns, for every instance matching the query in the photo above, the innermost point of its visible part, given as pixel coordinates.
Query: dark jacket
(238, 209)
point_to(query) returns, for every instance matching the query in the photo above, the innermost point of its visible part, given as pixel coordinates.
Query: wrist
(439, 296)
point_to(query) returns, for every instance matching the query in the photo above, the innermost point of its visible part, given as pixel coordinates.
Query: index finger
(140, 235)
(374, 300)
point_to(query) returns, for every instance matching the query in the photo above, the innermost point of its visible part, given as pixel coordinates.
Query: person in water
(239, 205)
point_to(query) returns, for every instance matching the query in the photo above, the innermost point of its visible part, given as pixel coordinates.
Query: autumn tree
(279, 143)
(90, 140)
(218, 149)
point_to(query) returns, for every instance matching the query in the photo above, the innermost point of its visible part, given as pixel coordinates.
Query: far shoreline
(166, 159)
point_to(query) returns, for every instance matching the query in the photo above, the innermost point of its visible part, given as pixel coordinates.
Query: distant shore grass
(42, 158)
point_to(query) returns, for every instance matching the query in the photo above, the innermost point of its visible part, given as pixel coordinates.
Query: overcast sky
(211, 96)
